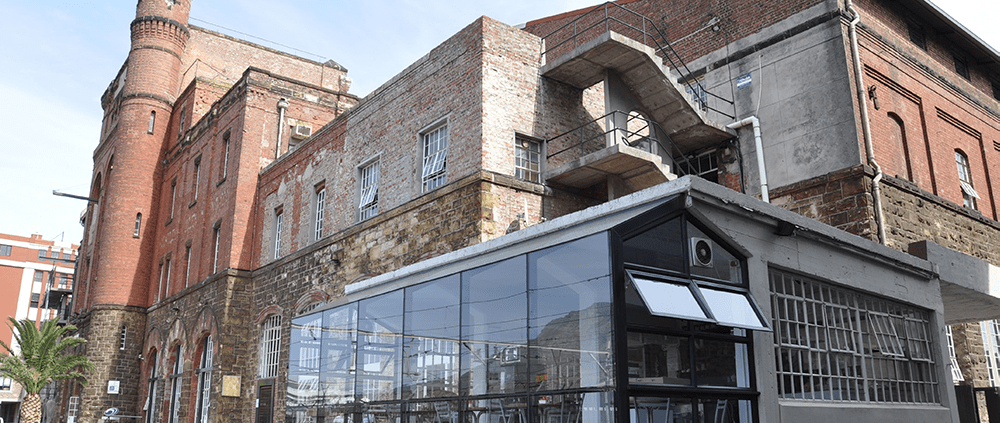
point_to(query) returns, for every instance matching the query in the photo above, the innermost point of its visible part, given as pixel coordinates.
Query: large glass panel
(661, 410)
(494, 328)
(434, 412)
(724, 410)
(339, 339)
(304, 362)
(587, 407)
(724, 265)
(732, 308)
(661, 247)
(380, 324)
(721, 363)
(430, 347)
(669, 299)
(659, 359)
(570, 315)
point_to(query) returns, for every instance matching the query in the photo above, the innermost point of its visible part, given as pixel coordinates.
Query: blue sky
(57, 57)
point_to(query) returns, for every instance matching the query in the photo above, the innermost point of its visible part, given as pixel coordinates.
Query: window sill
(220, 181)
(192, 203)
(168, 222)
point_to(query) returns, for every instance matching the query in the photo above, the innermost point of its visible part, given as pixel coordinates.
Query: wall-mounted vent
(302, 131)
(701, 252)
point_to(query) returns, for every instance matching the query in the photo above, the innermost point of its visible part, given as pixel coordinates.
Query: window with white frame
(175, 386)
(6, 383)
(173, 196)
(279, 217)
(187, 264)
(217, 236)
(527, 159)
(150, 405)
(122, 338)
(270, 339)
(969, 194)
(72, 408)
(435, 149)
(837, 344)
(204, 381)
(368, 205)
(320, 211)
(197, 177)
(956, 372)
(225, 156)
(991, 347)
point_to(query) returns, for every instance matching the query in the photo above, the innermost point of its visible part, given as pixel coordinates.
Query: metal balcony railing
(638, 132)
(613, 17)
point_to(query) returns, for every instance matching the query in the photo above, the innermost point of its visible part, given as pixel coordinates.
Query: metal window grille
(836, 344)
(527, 158)
(122, 338)
(368, 206)
(278, 217)
(435, 158)
(5, 250)
(956, 372)
(320, 207)
(270, 338)
(204, 381)
(991, 346)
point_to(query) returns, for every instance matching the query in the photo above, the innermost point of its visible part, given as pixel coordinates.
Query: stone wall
(102, 328)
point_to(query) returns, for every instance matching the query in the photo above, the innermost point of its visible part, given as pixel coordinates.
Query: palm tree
(42, 359)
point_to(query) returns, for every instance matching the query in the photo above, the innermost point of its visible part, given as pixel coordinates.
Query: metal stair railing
(647, 131)
(651, 35)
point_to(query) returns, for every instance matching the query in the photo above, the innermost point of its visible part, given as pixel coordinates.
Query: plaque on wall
(230, 386)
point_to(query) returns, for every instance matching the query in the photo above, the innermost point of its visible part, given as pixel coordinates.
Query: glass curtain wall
(525, 339)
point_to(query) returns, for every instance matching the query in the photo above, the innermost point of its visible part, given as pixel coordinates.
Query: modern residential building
(293, 253)
(36, 278)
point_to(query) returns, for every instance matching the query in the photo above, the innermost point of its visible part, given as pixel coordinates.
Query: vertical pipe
(282, 105)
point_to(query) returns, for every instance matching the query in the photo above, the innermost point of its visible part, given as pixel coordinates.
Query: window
(5, 250)
(173, 197)
(39, 276)
(138, 225)
(991, 347)
(204, 381)
(183, 122)
(225, 155)
(217, 236)
(43, 255)
(63, 281)
(187, 264)
(435, 146)
(197, 177)
(34, 300)
(278, 218)
(175, 385)
(72, 409)
(320, 207)
(917, 35)
(270, 338)
(527, 159)
(368, 206)
(166, 278)
(969, 194)
(152, 121)
(122, 337)
(6, 383)
(837, 344)
(150, 406)
(961, 67)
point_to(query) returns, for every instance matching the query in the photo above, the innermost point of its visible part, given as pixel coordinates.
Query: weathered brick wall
(840, 199)
(102, 327)
(219, 307)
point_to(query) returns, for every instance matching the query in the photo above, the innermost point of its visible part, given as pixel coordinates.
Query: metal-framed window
(969, 194)
(204, 381)
(956, 372)
(279, 217)
(270, 342)
(435, 146)
(72, 408)
(175, 385)
(150, 406)
(320, 208)
(527, 159)
(991, 346)
(368, 205)
(837, 344)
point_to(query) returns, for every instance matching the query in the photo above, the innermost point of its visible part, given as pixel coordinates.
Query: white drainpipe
(282, 105)
(752, 120)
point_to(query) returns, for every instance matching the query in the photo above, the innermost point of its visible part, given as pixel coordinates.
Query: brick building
(36, 276)
(239, 188)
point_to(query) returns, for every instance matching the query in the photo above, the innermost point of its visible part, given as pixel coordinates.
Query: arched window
(270, 341)
(899, 139)
(204, 381)
(969, 194)
(150, 406)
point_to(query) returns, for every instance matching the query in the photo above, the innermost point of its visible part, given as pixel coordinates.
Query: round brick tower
(113, 296)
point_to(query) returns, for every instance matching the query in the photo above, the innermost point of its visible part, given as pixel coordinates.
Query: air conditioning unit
(701, 252)
(302, 131)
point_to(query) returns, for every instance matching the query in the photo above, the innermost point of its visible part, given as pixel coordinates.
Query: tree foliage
(42, 357)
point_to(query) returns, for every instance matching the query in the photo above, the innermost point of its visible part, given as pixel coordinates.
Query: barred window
(368, 206)
(838, 344)
(204, 381)
(435, 145)
(270, 338)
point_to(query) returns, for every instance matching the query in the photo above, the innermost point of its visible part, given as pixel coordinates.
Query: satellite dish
(111, 411)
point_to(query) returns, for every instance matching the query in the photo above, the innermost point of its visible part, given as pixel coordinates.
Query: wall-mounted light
(873, 95)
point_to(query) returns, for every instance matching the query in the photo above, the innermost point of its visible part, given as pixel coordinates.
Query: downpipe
(752, 120)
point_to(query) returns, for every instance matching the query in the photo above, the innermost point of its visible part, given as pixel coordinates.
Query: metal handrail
(673, 58)
(630, 138)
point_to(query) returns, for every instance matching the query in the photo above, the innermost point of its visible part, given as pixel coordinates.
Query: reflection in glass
(570, 315)
(380, 324)
(668, 299)
(430, 347)
(732, 308)
(589, 407)
(494, 328)
(339, 338)
(434, 412)
(720, 363)
(304, 364)
(492, 410)
(661, 410)
(658, 359)
(724, 410)
(661, 247)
